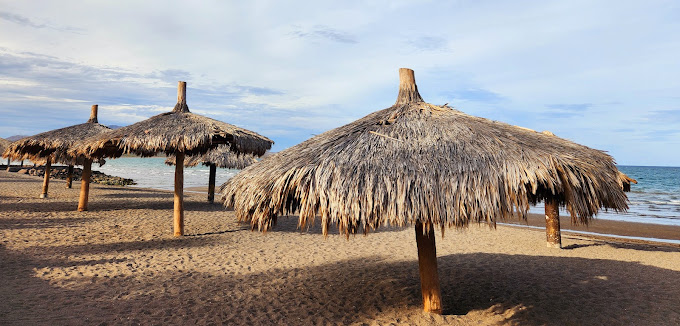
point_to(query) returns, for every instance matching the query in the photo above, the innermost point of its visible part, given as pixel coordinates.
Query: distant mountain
(16, 137)
(115, 126)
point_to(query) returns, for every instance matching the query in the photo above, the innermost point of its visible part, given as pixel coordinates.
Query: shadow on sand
(525, 290)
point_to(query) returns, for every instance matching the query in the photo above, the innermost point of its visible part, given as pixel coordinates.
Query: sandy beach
(118, 264)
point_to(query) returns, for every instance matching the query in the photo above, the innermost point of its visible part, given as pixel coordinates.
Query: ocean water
(655, 199)
(152, 172)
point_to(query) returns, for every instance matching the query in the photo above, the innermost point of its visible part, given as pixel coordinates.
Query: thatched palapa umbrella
(53, 146)
(425, 165)
(178, 133)
(4, 143)
(220, 157)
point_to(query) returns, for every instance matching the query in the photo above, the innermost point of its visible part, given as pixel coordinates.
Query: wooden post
(22, 163)
(211, 183)
(85, 185)
(179, 195)
(552, 224)
(427, 264)
(69, 176)
(93, 114)
(408, 90)
(46, 182)
(181, 105)
(8, 162)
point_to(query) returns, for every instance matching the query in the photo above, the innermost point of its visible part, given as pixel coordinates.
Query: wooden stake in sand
(552, 224)
(85, 185)
(179, 195)
(211, 183)
(427, 264)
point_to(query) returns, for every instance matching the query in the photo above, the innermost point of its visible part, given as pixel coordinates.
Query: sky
(604, 74)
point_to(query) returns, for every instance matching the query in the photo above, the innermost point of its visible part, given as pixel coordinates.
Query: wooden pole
(93, 114)
(8, 162)
(22, 163)
(211, 183)
(181, 105)
(552, 224)
(69, 176)
(46, 182)
(179, 195)
(427, 264)
(85, 185)
(408, 91)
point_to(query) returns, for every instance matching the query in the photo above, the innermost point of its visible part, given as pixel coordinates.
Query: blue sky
(600, 73)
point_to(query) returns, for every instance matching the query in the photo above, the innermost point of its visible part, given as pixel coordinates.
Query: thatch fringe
(420, 162)
(222, 156)
(4, 143)
(625, 181)
(54, 144)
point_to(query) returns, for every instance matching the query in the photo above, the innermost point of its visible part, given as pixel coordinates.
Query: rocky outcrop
(97, 177)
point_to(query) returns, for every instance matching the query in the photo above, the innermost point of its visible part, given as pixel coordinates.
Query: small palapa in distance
(53, 147)
(180, 133)
(221, 157)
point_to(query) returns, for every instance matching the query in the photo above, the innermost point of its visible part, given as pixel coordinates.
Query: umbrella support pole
(552, 224)
(69, 177)
(211, 183)
(178, 221)
(46, 182)
(427, 264)
(85, 186)
(8, 162)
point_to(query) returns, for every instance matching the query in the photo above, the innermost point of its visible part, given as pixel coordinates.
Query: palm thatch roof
(625, 181)
(222, 156)
(4, 143)
(55, 144)
(419, 162)
(178, 131)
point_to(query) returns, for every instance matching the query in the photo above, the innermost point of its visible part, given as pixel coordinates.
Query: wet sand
(118, 263)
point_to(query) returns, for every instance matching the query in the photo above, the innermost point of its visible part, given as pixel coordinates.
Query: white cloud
(310, 66)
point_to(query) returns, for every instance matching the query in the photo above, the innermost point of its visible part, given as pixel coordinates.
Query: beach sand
(119, 264)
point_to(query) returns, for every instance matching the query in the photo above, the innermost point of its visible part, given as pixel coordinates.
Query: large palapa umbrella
(420, 164)
(178, 133)
(53, 146)
(220, 157)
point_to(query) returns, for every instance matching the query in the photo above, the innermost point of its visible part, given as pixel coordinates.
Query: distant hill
(16, 137)
(115, 126)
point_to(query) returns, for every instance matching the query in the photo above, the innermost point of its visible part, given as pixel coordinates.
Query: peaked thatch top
(173, 132)
(55, 143)
(222, 156)
(416, 161)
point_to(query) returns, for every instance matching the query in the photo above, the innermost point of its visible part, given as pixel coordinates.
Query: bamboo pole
(69, 177)
(552, 224)
(85, 185)
(46, 181)
(179, 195)
(427, 264)
(211, 183)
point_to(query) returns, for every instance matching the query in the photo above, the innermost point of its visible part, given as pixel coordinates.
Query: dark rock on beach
(61, 172)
